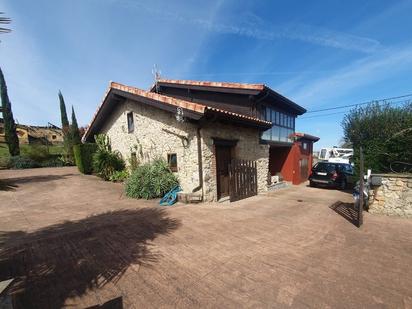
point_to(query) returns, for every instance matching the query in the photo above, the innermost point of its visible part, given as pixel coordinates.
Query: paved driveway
(71, 239)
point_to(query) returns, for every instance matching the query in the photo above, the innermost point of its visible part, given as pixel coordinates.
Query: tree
(68, 144)
(63, 113)
(4, 21)
(384, 132)
(74, 130)
(9, 125)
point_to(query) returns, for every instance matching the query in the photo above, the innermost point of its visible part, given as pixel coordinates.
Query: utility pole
(361, 186)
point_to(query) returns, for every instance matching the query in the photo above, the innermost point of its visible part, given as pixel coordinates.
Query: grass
(4, 150)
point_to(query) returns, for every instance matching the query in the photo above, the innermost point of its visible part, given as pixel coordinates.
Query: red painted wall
(286, 160)
(279, 161)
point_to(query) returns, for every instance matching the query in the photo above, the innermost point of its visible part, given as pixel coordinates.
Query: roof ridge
(254, 86)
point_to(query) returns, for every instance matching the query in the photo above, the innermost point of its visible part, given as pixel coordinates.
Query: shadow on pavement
(67, 259)
(116, 303)
(15, 182)
(5, 186)
(347, 211)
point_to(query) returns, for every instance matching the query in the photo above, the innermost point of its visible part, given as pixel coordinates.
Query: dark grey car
(338, 175)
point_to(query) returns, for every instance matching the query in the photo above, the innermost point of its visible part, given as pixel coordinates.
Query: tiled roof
(307, 136)
(213, 84)
(194, 107)
(230, 87)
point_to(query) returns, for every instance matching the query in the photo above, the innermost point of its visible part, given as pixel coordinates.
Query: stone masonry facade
(393, 197)
(247, 148)
(157, 134)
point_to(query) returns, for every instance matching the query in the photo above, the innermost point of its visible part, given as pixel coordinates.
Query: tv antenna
(156, 75)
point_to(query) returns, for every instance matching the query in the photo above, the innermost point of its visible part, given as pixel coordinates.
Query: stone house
(27, 134)
(200, 128)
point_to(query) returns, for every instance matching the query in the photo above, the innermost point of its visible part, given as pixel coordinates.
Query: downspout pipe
(199, 160)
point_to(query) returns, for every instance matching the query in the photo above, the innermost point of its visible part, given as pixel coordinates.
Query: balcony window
(283, 125)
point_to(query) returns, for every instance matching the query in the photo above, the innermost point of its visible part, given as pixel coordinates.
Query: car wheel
(312, 184)
(343, 184)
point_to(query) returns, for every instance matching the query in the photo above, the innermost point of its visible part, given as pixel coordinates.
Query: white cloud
(360, 73)
(253, 26)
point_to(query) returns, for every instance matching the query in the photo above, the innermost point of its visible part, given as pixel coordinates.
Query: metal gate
(242, 179)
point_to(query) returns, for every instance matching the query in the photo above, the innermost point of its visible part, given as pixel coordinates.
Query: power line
(357, 104)
(323, 115)
(342, 112)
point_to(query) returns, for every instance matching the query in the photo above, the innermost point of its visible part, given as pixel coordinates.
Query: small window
(133, 161)
(305, 146)
(172, 161)
(1, 130)
(54, 136)
(130, 122)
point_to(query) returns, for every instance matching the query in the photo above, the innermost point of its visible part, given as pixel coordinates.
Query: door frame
(219, 142)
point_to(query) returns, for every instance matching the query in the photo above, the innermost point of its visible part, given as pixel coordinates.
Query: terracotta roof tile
(213, 84)
(195, 107)
(307, 136)
(237, 115)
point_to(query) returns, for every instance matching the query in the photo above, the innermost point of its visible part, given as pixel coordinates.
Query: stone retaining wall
(393, 197)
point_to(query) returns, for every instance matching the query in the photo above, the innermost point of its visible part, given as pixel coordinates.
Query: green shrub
(103, 142)
(119, 176)
(150, 180)
(106, 161)
(52, 162)
(83, 155)
(20, 162)
(37, 153)
(4, 162)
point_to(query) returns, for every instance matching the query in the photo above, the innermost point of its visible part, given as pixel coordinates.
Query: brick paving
(73, 240)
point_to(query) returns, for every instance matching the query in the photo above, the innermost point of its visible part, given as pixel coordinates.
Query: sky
(320, 54)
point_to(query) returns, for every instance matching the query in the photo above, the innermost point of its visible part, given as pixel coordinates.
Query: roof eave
(244, 120)
(252, 90)
(299, 109)
(307, 136)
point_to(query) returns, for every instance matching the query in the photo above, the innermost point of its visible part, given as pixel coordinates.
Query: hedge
(83, 156)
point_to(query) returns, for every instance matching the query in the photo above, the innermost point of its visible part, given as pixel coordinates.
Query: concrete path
(74, 240)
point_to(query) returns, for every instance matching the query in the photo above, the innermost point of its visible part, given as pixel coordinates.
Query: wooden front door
(304, 169)
(223, 158)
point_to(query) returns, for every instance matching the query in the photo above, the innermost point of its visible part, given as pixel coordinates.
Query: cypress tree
(74, 130)
(68, 144)
(9, 125)
(63, 113)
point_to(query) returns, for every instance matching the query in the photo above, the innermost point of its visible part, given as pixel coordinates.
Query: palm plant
(4, 21)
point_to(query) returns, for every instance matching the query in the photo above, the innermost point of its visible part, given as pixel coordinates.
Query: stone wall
(393, 197)
(157, 133)
(247, 148)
